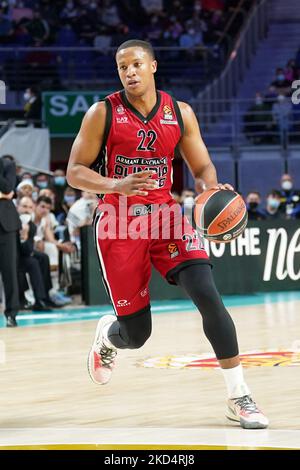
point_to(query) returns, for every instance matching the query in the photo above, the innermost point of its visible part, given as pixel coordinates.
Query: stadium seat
(260, 174)
(294, 169)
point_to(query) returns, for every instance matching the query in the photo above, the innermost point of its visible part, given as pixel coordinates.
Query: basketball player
(137, 131)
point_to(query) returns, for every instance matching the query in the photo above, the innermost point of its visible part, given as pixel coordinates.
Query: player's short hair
(137, 43)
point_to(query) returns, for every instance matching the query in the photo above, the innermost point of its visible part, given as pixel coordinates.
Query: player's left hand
(223, 186)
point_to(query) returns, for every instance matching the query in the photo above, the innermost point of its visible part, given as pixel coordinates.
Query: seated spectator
(281, 84)
(6, 29)
(42, 181)
(259, 121)
(85, 26)
(253, 201)
(291, 72)
(110, 14)
(46, 242)
(290, 197)
(27, 262)
(81, 214)
(24, 188)
(69, 12)
(152, 6)
(187, 202)
(59, 184)
(282, 116)
(69, 198)
(33, 104)
(272, 206)
(38, 27)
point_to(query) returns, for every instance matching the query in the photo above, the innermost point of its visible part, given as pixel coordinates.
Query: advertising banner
(265, 258)
(63, 110)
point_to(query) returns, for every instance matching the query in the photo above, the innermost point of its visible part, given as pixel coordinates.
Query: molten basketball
(220, 215)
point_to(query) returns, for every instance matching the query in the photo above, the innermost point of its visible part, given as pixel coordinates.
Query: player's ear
(154, 66)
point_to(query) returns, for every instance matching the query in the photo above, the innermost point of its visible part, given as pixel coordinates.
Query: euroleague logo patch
(267, 358)
(173, 250)
(168, 117)
(167, 113)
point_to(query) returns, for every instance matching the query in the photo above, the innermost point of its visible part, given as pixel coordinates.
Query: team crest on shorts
(173, 250)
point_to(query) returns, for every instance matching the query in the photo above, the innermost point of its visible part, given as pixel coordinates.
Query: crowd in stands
(280, 203)
(104, 23)
(51, 214)
(274, 114)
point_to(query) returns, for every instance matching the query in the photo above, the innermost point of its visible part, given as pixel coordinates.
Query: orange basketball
(220, 215)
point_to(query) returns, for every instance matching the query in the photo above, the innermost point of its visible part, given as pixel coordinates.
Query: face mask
(253, 205)
(258, 101)
(59, 180)
(287, 185)
(273, 203)
(188, 201)
(42, 184)
(69, 199)
(25, 218)
(35, 196)
(26, 96)
(280, 77)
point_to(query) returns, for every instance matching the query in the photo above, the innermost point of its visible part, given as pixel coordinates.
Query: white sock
(235, 383)
(105, 336)
(55, 283)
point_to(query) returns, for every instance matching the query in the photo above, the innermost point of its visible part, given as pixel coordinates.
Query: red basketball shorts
(125, 255)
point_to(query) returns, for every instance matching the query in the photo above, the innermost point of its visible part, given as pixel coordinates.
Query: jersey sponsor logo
(144, 292)
(120, 109)
(258, 358)
(123, 303)
(122, 120)
(173, 250)
(132, 161)
(164, 121)
(125, 166)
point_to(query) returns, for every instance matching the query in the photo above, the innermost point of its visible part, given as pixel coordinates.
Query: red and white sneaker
(245, 410)
(101, 360)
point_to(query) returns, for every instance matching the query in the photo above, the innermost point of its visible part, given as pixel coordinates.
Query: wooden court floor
(44, 383)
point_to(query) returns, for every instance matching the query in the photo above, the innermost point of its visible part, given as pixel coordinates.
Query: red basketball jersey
(133, 143)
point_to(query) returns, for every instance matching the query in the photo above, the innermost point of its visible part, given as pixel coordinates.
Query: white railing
(217, 96)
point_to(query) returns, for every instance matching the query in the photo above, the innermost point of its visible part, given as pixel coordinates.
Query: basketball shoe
(101, 360)
(245, 410)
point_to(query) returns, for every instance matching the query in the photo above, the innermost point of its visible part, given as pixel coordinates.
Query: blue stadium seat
(294, 170)
(225, 166)
(261, 151)
(260, 174)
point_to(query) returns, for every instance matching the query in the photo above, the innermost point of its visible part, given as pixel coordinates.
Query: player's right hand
(137, 184)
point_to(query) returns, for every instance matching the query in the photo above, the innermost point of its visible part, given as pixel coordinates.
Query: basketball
(220, 215)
